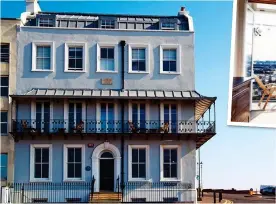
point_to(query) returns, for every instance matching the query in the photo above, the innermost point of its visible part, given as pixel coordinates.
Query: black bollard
(214, 196)
(220, 196)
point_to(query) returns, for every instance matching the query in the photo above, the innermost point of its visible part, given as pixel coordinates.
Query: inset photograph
(253, 70)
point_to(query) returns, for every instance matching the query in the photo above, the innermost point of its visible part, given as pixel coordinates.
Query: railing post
(220, 196)
(214, 196)
(92, 187)
(122, 189)
(118, 187)
(22, 193)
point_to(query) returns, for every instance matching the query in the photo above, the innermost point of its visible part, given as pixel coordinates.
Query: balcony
(111, 127)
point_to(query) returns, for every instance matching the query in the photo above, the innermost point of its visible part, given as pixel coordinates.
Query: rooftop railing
(112, 126)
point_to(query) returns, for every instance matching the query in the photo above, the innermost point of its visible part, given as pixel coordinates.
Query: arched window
(107, 155)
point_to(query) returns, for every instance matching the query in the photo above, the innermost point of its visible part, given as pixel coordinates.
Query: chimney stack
(32, 6)
(183, 11)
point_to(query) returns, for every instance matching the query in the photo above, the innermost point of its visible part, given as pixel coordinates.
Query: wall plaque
(106, 81)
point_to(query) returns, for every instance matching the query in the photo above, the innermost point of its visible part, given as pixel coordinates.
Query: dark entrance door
(106, 174)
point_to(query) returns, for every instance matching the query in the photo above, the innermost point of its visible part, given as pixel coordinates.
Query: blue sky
(237, 157)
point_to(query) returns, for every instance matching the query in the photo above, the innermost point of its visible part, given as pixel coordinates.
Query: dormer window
(46, 22)
(167, 26)
(108, 24)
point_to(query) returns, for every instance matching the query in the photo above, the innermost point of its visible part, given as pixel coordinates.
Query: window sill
(169, 180)
(106, 71)
(77, 71)
(138, 72)
(4, 134)
(73, 180)
(170, 73)
(42, 70)
(139, 180)
(41, 181)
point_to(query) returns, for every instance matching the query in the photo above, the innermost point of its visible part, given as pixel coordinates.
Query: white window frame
(66, 56)
(65, 155)
(178, 58)
(52, 47)
(32, 162)
(147, 106)
(33, 112)
(98, 112)
(66, 113)
(179, 111)
(130, 147)
(98, 57)
(147, 58)
(179, 166)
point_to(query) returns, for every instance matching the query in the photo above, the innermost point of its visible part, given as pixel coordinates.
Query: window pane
(135, 54)
(78, 63)
(79, 52)
(134, 170)
(166, 171)
(70, 155)
(4, 128)
(174, 170)
(4, 160)
(174, 155)
(110, 53)
(4, 116)
(166, 155)
(4, 91)
(134, 155)
(142, 170)
(135, 66)
(4, 81)
(78, 170)
(4, 164)
(37, 155)
(45, 155)
(166, 66)
(142, 155)
(77, 154)
(142, 65)
(72, 52)
(72, 63)
(5, 52)
(4, 173)
(70, 170)
(172, 66)
(46, 64)
(37, 171)
(110, 65)
(104, 53)
(39, 51)
(45, 170)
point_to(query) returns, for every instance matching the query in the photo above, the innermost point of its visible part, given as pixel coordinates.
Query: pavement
(239, 198)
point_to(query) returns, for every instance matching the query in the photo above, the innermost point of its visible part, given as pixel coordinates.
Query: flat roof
(113, 15)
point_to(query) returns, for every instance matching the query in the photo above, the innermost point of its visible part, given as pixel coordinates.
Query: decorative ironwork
(112, 126)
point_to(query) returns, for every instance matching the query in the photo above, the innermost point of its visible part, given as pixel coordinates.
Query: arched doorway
(103, 150)
(106, 172)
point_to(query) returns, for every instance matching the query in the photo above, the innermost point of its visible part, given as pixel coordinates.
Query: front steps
(105, 197)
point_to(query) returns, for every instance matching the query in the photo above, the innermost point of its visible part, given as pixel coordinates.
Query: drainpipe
(122, 43)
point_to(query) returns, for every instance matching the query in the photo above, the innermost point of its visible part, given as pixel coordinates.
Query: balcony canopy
(202, 103)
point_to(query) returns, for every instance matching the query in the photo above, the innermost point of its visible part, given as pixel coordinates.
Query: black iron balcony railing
(112, 126)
